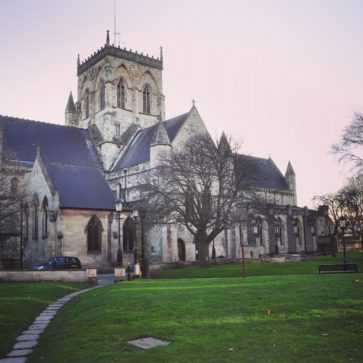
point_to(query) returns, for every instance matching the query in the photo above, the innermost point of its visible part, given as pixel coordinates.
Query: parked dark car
(60, 263)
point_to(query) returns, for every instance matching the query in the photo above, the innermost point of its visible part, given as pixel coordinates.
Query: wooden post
(244, 272)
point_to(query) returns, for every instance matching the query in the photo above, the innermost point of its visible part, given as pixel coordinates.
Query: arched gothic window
(45, 217)
(258, 230)
(119, 190)
(94, 234)
(117, 129)
(278, 230)
(297, 230)
(181, 249)
(121, 94)
(146, 99)
(102, 96)
(35, 224)
(14, 186)
(86, 103)
(128, 234)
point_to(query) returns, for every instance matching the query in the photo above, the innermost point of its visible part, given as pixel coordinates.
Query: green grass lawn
(309, 266)
(313, 318)
(20, 303)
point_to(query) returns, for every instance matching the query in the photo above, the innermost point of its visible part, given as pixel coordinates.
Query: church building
(69, 176)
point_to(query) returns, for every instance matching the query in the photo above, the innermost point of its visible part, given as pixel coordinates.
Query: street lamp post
(125, 191)
(118, 204)
(21, 234)
(342, 225)
(135, 214)
(244, 272)
(144, 259)
(360, 231)
(276, 235)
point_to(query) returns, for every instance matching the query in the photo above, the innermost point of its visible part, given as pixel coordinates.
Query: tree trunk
(204, 257)
(204, 253)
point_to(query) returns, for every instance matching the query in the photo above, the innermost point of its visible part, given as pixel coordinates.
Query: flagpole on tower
(115, 33)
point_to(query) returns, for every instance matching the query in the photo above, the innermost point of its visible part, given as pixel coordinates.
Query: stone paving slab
(32, 332)
(47, 315)
(41, 319)
(24, 337)
(64, 299)
(49, 312)
(19, 352)
(13, 360)
(26, 344)
(148, 343)
(38, 326)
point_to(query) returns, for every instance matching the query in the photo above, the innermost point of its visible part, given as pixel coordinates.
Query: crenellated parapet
(134, 56)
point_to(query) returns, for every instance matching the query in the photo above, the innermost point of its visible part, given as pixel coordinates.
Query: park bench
(338, 268)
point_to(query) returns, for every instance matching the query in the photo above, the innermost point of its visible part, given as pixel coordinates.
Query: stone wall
(31, 276)
(74, 241)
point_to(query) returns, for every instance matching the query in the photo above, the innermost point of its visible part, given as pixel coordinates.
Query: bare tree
(350, 147)
(336, 207)
(347, 202)
(10, 199)
(204, 186)
(352, 196)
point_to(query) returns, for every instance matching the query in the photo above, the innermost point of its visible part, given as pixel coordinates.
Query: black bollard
(128, 271)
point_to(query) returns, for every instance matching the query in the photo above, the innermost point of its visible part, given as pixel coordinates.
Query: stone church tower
(119, 92)
(291, 181)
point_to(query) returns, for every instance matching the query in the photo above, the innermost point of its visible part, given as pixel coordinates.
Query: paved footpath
(27, 341)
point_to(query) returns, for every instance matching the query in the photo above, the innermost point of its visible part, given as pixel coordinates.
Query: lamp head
(342, 222)
(118, 204)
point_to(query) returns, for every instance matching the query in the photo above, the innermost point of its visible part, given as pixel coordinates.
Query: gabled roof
(138, 151)
(160, 136)
(81, 187)
(264, 173)
(63, 144)
(69, 157)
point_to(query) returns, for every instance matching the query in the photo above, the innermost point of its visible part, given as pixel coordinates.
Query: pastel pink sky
(283, 76)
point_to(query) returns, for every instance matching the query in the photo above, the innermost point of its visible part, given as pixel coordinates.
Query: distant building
(113, 135)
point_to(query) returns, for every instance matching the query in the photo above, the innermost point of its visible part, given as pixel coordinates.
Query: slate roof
(63, 144)
(264, 172)
(70, 158)
(81, 187)
(138, 151)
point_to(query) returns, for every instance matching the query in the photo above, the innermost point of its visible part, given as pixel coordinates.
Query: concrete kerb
(28, 339)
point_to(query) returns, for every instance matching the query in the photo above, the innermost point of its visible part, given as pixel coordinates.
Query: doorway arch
(128, 235)
(181, 250)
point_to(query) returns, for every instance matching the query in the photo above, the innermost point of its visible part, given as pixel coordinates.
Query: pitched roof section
(69, 156)
(81, 187)
(70, 108)
(160, 136)
(63, 144)
(264, 173)
(290, 170)
(138, 151)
